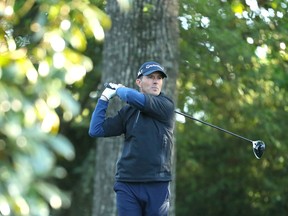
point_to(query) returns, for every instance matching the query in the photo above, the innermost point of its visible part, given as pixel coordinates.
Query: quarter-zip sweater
(147, 121)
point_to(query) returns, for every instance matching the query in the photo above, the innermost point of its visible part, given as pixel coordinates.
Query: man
(143, 171)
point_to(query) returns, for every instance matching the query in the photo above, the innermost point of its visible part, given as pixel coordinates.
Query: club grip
(107, 85)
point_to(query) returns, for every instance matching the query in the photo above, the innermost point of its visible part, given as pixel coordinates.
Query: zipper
(164, 155)
(136, 120)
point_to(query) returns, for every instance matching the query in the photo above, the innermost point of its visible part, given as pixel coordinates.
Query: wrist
(103, 97)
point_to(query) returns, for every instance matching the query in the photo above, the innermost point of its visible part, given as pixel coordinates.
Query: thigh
(126, 201)
(158, 199)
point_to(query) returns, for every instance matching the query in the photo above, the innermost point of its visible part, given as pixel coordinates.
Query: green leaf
(68, 103)
(62, 146)
(53, 195)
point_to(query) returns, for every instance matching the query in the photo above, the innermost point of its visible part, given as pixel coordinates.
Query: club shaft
(213, 126)
(203, 122)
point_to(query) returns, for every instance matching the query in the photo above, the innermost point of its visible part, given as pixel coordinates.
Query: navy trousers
(142, 199)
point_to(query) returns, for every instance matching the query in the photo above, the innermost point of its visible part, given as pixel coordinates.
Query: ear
(138, 82)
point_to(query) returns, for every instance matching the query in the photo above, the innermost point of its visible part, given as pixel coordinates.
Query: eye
(153, 76)
(158, 77)
(150, 76)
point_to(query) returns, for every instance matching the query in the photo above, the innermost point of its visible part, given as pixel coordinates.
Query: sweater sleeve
(98, 118)
(131, 96)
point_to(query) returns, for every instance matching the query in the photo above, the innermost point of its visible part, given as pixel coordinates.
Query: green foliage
(233, 73)
(41, 56)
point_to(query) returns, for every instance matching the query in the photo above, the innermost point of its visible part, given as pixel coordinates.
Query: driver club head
(258, 148)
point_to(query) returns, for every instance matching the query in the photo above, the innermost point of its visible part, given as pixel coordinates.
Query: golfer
(143, 172)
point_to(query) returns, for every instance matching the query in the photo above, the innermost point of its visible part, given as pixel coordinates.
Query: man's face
(151, 84)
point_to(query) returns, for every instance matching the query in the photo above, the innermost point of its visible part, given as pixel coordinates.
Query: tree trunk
(149, 31)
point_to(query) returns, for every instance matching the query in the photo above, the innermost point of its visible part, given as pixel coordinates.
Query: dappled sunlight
(8, 10)
(68, 116)
(35, 27)
(22, 141)
(50, 122)
(22, 206)
(261, 51)
(32, 88)
(12, 129)
(59, 60)
(32, 74)
(55, 201)
(180, 118)
(11, 44)
(16, 105)
(97, 29)
(57, 42)
(41, 108)
(5, 106)
(43, 68)
(250, 40)
(30, 116)
(4, 207)
(65, 25)
(125, 5)
(53, 101)
(232, 71)
(245, 91)
(282, 46)
(74, 74)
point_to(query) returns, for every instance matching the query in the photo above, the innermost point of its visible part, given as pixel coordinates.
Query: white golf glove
(110, 90)
(108, 93)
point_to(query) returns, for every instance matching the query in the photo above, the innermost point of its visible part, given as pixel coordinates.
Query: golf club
(258, 146)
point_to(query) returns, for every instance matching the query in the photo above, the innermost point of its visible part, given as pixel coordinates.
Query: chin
(155, 93)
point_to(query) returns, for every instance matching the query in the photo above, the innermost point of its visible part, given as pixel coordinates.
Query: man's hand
(108, 93)
(110, 90)
(113, 85)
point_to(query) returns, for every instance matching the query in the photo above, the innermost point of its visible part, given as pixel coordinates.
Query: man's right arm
(128, 95)
(97, 119)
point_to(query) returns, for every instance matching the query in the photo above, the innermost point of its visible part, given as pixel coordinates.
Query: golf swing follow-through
(258, 146)
(144, 168)
(147, 120)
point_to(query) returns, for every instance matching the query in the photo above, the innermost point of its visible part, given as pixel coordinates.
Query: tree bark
(148, 31)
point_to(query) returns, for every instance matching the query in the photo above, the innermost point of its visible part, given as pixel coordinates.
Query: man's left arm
(159, 107)
(131, 96)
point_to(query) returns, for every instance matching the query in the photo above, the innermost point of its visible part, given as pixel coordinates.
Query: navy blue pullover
(147, 122)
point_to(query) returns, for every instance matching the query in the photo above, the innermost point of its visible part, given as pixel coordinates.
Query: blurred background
(228, 65)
